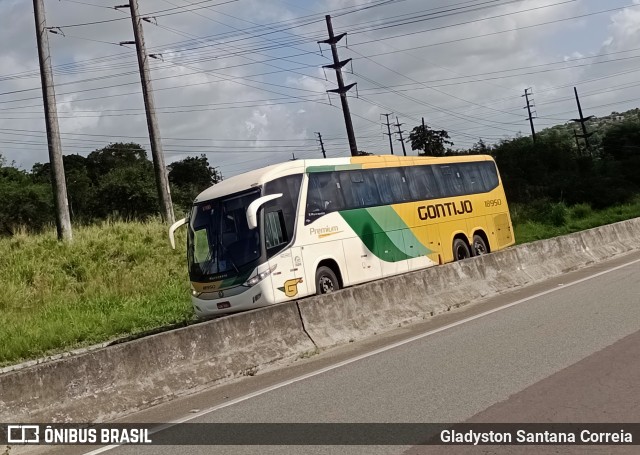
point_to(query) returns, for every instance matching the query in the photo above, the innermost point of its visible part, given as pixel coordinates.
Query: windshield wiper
(228, 254)
(207, 263)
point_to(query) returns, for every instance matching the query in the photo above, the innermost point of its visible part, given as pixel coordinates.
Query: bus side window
(489, 175)
(360, 189)
(392, 185)
(422, 183)
(471, 178)
(275, 232)
(280, 214)
(324, 195)
(449, 176)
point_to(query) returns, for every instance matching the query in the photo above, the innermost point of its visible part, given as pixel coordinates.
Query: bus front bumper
(254, 297)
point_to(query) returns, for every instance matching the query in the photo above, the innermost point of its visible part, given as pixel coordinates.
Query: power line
(523, 27)
(145, 14)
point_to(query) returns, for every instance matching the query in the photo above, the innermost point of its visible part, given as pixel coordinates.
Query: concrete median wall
(362, 311)
(110, 382)
(106, 383)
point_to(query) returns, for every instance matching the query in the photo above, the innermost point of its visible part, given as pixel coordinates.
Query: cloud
(248, 95)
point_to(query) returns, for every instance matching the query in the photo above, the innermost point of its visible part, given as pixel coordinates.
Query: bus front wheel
(460, 250)
(326, 281)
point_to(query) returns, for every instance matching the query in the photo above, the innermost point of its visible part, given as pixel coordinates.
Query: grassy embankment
(542, 221)
(115, 279)
(120, 278)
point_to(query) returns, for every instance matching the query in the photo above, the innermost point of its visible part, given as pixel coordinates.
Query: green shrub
(580, 211)
(558, 214)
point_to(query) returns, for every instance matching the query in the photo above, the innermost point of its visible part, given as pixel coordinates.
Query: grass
(561, 220)
(119, 279)
(114, 279)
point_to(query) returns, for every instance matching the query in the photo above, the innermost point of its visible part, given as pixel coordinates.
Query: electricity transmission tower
(527, 93)
(388, 133)
(398, 124)
(324, 153)
(583, 122)
(342, 89)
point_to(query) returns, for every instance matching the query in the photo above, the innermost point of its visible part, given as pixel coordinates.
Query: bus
(308, 227)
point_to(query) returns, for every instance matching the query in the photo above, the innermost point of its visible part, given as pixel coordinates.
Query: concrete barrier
(106, 383)
(361, 311)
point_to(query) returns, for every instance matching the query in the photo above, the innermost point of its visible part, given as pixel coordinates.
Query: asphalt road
(539, 356)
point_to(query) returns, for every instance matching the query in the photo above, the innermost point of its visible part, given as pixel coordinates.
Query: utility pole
(162, 180)
(388, 133)
(575, 135)
(63, 219)
(398, 124)
(583, 121)
(324, 154)
(342, 89)
(527, 93)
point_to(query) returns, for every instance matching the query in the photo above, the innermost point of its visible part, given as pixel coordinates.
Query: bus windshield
(219, 239)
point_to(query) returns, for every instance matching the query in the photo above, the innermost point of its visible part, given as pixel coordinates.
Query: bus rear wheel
(479, 246)
(460, 250)
(326, 281)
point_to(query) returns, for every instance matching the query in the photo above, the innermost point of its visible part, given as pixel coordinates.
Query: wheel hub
(326, 284)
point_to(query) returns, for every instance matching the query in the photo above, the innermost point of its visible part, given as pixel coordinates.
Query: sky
(242, 80)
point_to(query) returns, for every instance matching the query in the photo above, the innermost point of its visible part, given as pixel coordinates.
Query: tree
(79, 186)
(480, 148)
(622, 141)
(431, 142)
(117, 155)
(189, 177)
(622, 144)
(25, 204)
(123, 181)
(127, 192)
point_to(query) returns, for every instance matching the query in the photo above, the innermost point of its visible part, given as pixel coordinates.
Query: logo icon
(220, 294)
(290, 287)
(23, 434)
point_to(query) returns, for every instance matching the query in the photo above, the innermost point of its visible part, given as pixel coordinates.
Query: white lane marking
(363, 356)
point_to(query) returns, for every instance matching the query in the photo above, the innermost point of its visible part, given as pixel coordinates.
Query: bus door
(298, 270)
(288, 276)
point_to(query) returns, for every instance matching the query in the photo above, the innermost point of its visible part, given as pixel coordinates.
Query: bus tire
(460, 250)
(479, 246)
(326, 281)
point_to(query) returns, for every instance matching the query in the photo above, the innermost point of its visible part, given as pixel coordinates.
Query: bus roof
(259, 177)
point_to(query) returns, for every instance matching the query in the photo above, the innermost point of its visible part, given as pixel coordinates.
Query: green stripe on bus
(380, 243)
(389, 220)
(337, 167)
(348, 167)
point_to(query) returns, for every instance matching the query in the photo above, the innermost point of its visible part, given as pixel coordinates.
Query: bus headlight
(259, 277)
(195, 293)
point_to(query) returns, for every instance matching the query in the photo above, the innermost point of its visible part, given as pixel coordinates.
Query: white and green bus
(314, 226)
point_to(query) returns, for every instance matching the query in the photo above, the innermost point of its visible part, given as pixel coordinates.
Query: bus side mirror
(173, 228)
(252, 210)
